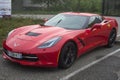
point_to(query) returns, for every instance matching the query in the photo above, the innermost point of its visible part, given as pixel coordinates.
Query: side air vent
(32, 34)
(81, 41)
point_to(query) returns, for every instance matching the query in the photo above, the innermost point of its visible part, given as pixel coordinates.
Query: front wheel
(68, 55)
(112, 38)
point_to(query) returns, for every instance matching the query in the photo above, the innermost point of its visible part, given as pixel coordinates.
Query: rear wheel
(112, 38)
(68, 55)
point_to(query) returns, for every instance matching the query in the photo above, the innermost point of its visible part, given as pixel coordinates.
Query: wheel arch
(71, 40)
(114, 28)
(109, 44)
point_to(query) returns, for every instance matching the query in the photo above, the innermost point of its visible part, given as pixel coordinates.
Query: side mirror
(96, 26)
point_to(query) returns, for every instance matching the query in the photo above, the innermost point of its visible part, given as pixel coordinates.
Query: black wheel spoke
(66, 60)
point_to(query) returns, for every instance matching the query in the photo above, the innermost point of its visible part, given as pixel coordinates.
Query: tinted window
(94, 19)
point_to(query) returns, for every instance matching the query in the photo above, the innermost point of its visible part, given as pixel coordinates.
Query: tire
(68, 55)
(112, 38)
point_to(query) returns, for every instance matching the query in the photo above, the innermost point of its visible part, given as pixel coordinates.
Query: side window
(91, 21)
(99, 18)
(94, 19)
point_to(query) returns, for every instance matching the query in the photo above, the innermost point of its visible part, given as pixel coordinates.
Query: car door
(92, 37)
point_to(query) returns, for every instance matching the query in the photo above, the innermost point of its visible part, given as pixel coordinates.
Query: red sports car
(60, 40)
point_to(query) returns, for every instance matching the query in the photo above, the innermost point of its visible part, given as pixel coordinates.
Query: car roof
(78, 13)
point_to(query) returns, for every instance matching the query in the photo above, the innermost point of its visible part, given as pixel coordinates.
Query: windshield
(68, 21)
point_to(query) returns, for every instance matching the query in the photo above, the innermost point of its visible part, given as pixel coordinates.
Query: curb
(37, 16)
(117, 42)
(118, 38)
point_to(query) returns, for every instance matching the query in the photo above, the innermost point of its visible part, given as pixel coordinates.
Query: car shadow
(29, 68)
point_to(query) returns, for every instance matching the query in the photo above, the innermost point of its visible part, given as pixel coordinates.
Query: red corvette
(60, 40)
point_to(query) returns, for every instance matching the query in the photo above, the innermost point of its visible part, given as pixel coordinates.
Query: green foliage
(72, 5)
(87, 5)
(7, 25)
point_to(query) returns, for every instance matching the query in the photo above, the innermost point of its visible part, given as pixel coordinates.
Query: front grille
(27, 57)
(30, 57)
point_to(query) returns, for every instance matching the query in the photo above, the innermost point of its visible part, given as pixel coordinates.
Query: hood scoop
(32, 34)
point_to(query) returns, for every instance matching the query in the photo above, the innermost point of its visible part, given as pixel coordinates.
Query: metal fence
(56, 5)
(111, 7)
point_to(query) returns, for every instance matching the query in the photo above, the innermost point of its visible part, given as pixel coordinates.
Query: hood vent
(32, 34)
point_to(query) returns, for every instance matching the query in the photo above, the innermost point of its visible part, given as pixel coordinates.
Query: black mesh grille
(27, 57)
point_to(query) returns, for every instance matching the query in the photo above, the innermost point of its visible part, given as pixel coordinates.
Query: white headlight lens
(50, 42)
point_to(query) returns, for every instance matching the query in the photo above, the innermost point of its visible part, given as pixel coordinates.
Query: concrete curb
(118, 38)
(117, 42)
(32, 16)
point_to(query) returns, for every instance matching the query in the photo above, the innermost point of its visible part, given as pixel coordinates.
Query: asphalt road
(106, 69)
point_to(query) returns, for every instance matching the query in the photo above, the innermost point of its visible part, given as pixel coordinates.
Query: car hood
(34, 35)
(37, 32)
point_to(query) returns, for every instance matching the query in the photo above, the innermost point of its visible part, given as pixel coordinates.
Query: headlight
(50, 42)
(11, 32)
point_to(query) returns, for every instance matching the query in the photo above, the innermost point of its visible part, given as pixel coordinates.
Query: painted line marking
(89, 65)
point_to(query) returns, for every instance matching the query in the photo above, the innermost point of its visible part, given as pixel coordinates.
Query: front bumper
(42, 60)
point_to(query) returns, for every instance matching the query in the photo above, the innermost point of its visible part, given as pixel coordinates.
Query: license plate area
(14, 55)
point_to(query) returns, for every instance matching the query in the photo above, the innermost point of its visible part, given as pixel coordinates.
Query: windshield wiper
(58, 22)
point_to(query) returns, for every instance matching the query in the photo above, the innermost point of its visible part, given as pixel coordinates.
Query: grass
(6, 25)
